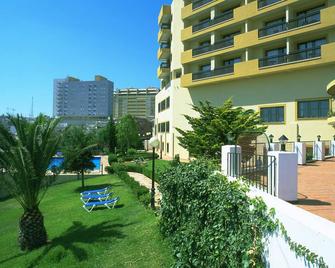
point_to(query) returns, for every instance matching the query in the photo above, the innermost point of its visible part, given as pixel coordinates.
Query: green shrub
(176, 161)
(141, 192)
(131, 151)
(210, 221)
(112, 158)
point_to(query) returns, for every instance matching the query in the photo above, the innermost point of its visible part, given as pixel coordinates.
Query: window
(309, 16)
(168, 103)
(313, 109)
(167, 127)
(312, 44)
(205, 43)
(231, 62)
(276, 56)
(272, 114)
(205, 68)
(167, 147)
(275, 26)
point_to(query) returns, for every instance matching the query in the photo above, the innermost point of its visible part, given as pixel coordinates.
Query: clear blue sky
(46, 39)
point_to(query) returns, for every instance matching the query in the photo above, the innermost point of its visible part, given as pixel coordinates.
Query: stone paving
(316, 188)
(146, 182)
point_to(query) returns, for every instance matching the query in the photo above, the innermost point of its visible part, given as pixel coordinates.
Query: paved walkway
(146, 182)
(316, 188)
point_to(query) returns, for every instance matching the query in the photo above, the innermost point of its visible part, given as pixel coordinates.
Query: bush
(112, 158)
(141, 192)
(131, 151)
(210, 221)
(176, 161)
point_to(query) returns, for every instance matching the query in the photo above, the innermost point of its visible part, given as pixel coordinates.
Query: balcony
(163, 70)
(210, 48)
(265, 3)
(164, 34)
(213, 73)
(285, 26)
(292, 57)
(331, 88)
(331, 120)
(164, 14)
(251, 68)
(200, 3)
(217, 20)
(164, 53)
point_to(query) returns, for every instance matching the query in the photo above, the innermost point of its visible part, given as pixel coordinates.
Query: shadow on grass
(99, 186)
(79, 233)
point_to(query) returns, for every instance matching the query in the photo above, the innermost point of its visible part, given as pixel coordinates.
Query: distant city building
(138, 102)
(83, 102)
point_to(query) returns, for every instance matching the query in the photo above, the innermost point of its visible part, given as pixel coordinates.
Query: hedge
(210, 221)
(141, 192)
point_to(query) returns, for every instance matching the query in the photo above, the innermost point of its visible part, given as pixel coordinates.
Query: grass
(127, 236)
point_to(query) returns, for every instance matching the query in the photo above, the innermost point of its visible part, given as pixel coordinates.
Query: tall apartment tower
(274, 56)
(138, 102)
(74, 98)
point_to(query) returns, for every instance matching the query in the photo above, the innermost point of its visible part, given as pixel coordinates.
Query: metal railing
(309, 151)
(211, 73)
(264, 3)
(205, 24)
(292, 57)
(292, 24)
(328, 151)
(200, 3)
(218, 45)
(257, 170)
(165, 65)
(165, 26)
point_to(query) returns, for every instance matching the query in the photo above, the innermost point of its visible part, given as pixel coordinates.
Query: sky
(41, 40)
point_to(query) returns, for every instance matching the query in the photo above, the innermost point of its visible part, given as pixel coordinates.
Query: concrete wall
(313, 232)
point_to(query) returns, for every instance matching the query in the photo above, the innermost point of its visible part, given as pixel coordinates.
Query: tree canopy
(127, 133)
(78, 151)
(217, 126)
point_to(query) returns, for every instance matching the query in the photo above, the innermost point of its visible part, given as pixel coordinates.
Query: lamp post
(298, 138)
(153, 142)
(271, 138)
(319, 137)
(283, 139)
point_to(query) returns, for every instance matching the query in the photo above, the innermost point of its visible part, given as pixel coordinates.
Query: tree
(127, 133)
(78, 151)
(106, 137)
(217, 126)
(111, 135)
(25, 157)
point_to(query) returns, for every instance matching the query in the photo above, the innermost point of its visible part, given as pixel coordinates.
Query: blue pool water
(58, 161)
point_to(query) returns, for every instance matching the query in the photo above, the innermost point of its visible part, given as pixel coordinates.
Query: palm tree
(25, 157)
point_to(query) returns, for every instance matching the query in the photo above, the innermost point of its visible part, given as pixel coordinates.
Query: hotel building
(138, 102)
(274, 56)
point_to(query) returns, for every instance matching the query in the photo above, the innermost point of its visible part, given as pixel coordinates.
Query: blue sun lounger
(101, 197)
(107, 203)
(97, 191)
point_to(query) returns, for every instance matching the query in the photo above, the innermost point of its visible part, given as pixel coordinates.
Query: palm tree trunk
(82, 179)
(32, 230)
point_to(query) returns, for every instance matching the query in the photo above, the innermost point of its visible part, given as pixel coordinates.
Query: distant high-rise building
(83, 101)
(138, 102)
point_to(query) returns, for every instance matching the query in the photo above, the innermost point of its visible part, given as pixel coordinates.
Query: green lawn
(126, 236)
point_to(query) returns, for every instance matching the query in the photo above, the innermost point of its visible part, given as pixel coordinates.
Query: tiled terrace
(316, 188)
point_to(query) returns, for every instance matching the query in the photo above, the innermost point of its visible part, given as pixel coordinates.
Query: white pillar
(275, 146)
(300, 149)
(213, 37)
(230, 164)
(247, 54)
(332, 148)
(286, 174)
(319, 151)
(213, 13)
(246, 27)
(212, 64)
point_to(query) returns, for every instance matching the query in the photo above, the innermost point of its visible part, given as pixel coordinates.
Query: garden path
(146, 182)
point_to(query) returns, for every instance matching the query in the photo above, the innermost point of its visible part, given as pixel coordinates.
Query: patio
(316, 188)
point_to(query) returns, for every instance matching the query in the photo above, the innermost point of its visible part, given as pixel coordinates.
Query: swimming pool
(58, 161)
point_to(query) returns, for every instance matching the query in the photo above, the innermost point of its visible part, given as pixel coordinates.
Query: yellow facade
(225, 49)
